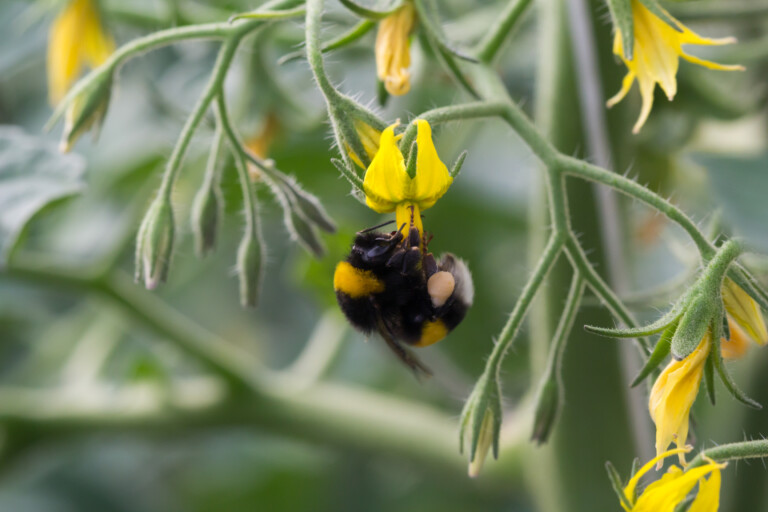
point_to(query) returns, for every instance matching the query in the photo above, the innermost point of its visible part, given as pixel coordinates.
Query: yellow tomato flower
(665, 494)
(388, 187)
(393, 50)
(657, 49)
(673, 395)
(76, 39)
(744, 311)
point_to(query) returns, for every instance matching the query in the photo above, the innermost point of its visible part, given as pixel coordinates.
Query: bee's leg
(373, 228)
(420, 370)
(430, 265)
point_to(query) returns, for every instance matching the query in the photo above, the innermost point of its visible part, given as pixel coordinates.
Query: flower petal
(432, 178)
(386, 181)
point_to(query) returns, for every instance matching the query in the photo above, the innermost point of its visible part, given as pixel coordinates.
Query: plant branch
(490, 46)
(732, 451)
(508, 333)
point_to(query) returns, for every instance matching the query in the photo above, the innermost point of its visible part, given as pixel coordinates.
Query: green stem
(246, 185)
(587, 171)
(489, 48)
(223, 61)
(508, 333)
(733, 451)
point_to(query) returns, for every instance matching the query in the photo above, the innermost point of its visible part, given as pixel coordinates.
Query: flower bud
(205, 218)
(547, 409)
(481, 423)
(250, 258)
(154, 245)
(86, 111)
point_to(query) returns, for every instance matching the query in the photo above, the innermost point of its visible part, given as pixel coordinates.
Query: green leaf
(618, 486)
(33, 174)
(621, 13)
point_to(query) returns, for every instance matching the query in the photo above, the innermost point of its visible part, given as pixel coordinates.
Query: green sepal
(616, 483)
(382, 95)
(749, 284)
(709, 373)
(694, 324)
(659, 325)
(308, 204)
(352, 178)
(660, 352)
(729, 383)
(486, 396)
(457, 165)
(372, 14)
(345, 39)
(410, 164)
(623, 21)
(658, 10)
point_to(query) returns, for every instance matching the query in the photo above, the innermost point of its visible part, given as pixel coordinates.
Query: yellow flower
(260, 143)
(393, 52)
(657, 49)
(744, 311)
(665, 494)
(76, 40)
(388, 187)
(673, 395)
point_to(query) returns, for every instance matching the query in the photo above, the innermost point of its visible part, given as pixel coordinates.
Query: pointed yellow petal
(432, 178)
(712, 65)
(646, 92)
(708, 497)
(744, 311)
(629, 490)
(665, 495)
(626, 85)
(386, 181)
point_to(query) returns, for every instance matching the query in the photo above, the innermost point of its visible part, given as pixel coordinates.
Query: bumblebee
(390, 284)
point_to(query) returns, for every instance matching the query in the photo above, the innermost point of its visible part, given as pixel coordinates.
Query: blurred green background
(65, 349)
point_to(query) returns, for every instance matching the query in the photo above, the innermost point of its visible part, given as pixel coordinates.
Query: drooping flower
(744, 311)
(656, 56)
(673, 394)
(76, 40)
(736, 346)
(393, 50)
(665, 494)
(388, 187)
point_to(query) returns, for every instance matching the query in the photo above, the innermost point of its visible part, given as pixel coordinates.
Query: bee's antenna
(376, 227)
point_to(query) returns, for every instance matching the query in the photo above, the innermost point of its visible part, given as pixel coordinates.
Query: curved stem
(223, 61)
(587, 171)
(733, 451)
(491, 44)
(545, 264)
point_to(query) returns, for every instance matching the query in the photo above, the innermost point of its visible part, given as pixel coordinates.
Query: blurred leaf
(32, 175)
(739, 185)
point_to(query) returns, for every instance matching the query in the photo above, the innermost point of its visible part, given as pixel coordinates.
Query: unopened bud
(480, 424)
(154, 245)
(250, 258)
(484, 442)
(547, 409)
(205, 218)
(86, 111)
